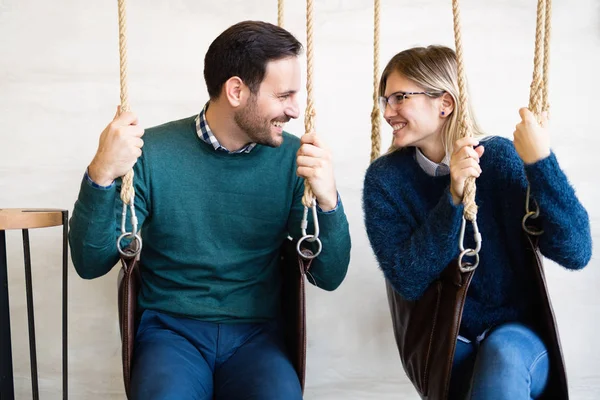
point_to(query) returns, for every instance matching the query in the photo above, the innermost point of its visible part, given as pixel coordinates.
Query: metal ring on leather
(128, 252)
(308, 239)
(532, 232)
(468, 267)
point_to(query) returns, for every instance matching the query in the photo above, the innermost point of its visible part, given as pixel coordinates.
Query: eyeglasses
(396, 99)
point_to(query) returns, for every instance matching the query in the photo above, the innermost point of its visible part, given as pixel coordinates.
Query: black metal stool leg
(65, 359)
(30, 316)
(7, 389)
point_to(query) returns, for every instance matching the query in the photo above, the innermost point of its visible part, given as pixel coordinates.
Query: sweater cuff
(544, 175)
(446, 212)
(330, 220)
(98, 200)
(543, 169)
(448, 205)
(330, 211)
(94, 184)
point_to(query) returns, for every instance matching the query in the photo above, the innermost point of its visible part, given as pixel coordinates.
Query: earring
(443, 113)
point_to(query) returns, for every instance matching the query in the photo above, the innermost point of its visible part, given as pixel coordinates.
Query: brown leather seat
(426, 330)
(293, 269)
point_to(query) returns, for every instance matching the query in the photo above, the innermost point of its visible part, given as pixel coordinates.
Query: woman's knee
(514, 345)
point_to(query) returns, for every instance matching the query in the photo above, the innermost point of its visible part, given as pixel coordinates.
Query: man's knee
(276, 389)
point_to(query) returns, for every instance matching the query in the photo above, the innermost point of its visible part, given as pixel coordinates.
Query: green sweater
(212, 224)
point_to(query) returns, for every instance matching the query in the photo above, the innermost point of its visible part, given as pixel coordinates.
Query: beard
(255, 126)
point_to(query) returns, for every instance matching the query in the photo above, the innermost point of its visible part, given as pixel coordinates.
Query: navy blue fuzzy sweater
(413, 227)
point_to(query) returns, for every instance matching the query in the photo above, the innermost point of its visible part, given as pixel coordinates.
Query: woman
(413, 213)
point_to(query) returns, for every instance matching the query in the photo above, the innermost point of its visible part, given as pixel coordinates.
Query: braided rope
(280, 10)
(538, 96)
(127, 190)
(470, 189)
(309, 197)
(376, 113)
(546, 68)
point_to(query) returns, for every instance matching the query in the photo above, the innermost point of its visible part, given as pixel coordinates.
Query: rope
(538, 96)
(470, 211)
(127, 190)
(280, 12)
(546, 70)
(309, 116)
(375, 113)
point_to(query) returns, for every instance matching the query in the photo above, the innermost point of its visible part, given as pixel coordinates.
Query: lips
(397, 124)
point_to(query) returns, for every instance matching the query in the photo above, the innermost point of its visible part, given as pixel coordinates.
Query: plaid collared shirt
(204, 133)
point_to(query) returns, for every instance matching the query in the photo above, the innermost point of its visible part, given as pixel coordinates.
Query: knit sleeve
(329, 269)
(565, 222)
(410, 254)
(567, 236)
(96, 224)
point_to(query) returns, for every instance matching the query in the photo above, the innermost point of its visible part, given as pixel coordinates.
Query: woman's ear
(447, 105)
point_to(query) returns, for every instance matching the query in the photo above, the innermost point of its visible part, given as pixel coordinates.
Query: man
(216, 196)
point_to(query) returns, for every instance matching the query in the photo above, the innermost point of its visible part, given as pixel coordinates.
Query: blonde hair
(434, 69)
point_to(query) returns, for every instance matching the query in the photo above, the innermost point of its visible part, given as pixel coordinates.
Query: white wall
(59, 88)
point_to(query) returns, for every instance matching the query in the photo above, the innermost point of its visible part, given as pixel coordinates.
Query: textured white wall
(59, 88)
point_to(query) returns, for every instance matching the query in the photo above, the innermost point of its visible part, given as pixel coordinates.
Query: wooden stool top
(29, 218)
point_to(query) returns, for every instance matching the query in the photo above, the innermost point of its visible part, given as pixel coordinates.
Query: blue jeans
(180, 359)
(511, 362)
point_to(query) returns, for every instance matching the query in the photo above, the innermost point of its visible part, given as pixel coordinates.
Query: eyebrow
(288, 92)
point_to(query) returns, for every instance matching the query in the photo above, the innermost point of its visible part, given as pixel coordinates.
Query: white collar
(429, 166)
